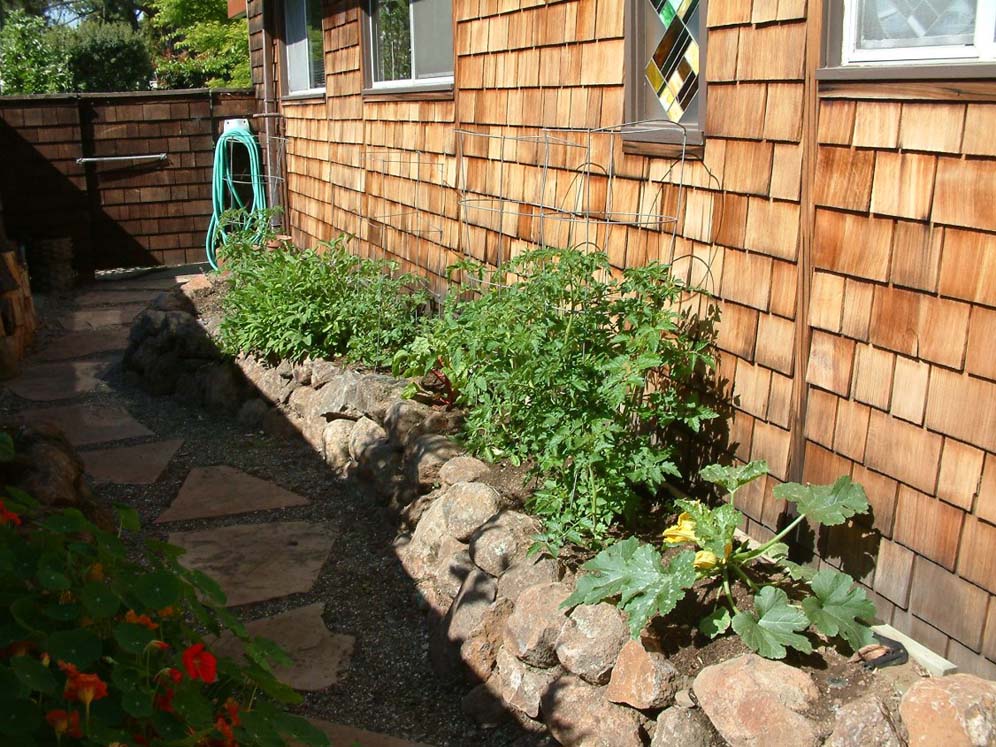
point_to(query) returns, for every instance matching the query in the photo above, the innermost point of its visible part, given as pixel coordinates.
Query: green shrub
(107, 57)
(634, 573)
(576, 369)
(211, 54)
(98, 649)
(291, 303)
(30, 59)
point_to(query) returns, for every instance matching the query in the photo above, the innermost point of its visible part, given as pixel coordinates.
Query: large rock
(503, 540)
(426, 458)
(335, 444)
(484, 705)
(532, 630)
(591, 640)
(682, 727)
(452, 566)
(252, 412)
(523, 686)
(529, 571)
(578, 715)
(271, 385)
(468, 505)
(352, 395)
(403, 418)
(365, 438)
(301, 400)
(323, 371)
(754, 702)
(863, 723)
(462, 469)
(419, 554)
(222, 387)
(465, 617)
(955, 711)
(479, 650)
(641, 678)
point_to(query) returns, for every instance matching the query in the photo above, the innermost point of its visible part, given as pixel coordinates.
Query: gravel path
(389, 686)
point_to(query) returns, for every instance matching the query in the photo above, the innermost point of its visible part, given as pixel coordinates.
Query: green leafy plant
(292, 303)
(580, 370)
(645, 586)
(99, 649)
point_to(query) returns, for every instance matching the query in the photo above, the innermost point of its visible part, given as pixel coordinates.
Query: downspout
(273, 193)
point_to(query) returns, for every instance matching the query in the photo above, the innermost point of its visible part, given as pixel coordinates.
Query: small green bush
(291, 303)
(107, 57)
(97, 648)
(574, 368)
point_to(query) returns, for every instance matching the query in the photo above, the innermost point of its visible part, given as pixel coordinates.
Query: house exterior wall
(845, 229)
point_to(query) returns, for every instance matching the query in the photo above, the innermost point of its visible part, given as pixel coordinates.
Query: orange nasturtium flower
(83, 687)
(143, 620)
(200, 663)
(8, 517)
(95, 572)
(64, 722)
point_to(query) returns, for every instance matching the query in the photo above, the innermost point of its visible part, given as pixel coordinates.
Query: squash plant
(99, 649)
(646, 586)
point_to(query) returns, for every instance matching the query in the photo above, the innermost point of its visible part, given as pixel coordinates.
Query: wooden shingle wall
(889, 250)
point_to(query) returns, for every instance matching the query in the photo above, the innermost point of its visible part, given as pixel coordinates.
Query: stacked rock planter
(494, 610)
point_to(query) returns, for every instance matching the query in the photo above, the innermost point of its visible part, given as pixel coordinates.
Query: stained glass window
(672, 69)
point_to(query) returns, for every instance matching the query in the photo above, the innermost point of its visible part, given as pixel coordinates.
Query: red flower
(64, 722)
(8, 517)
(200, 663)
(164, 700)
(143, 620)
(85, 688)
(232, 708)
(160, 645)
(174, 674)
(228, 736)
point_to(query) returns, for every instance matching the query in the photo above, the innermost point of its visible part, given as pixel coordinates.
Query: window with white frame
(303, 47)
(411, 43)
(878, 32)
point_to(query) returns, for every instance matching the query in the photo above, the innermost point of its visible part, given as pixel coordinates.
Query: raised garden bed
(495, 612)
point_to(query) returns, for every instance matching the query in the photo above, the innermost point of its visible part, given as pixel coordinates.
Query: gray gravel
(389, 687)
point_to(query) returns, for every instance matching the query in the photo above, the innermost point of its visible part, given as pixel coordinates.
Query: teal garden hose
(224, 195)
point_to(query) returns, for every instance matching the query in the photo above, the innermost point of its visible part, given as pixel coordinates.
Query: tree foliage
(201, 46)
(30, 60)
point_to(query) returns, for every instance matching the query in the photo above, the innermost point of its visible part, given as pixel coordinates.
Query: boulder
(452, 566)
(468, 505)
(419, 554)
(528, 571)
(352, 395)
(483, 704)
(681, 727)
(755, 702)
(252, 412)
(590, 641)
(404, 417)
(427, 455)
(323, 371)
(955, 711)
(863, 723)
(522, 686)
(222, 387)
(196, 283)
(302, 372)
(313, 431)
(335, 444)
(271, 385)
(532, 630)
(462, 469)
(364, 439)
(463, 619)
(479, 650)
(641, 678)
(285, 369)
(279, 424)
(578, 715)
(502, 540)
(301, 400)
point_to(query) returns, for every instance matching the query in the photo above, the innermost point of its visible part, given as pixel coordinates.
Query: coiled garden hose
(224, 195)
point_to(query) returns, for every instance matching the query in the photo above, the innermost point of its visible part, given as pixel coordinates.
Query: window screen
(303, 44)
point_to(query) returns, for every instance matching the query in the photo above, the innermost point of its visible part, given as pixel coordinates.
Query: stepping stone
(52, 381)
(98, 318)
(83, 344)
(255, 562)
(320, 656)
(114, 297)
(209, 492)
(130, 465)
(349, 736)
(88, 424)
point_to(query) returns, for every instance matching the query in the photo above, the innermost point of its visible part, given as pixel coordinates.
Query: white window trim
(983, 50)
(425, 83)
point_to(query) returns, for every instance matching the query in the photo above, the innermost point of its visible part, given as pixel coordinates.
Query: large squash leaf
(732, 478)
(773, 625)
(839, 607)
(635, 573)
(826, 504)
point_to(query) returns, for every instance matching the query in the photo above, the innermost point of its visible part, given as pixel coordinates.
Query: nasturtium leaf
(6, 447)
(137, 702)
(258, 729)
(635, 573)
(716, 622)
(189, 703)
(127, 517)
(62, 612)
(25, 613)
(158, 590)
(732, 478)
(838, 607)
(267, 653)
(207, 586)
(18, 717)
(33, 675)
(99, 599)
(52, 578)
(133, 638)
(79, 647)
(19, 501)
(773, 625)
(829, 505)
(299, 729)
(68, 521)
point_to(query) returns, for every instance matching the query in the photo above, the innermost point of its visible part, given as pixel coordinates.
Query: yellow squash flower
(705, 559)
(683, 531)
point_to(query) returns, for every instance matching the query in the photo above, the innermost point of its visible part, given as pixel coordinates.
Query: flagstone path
(263, 560)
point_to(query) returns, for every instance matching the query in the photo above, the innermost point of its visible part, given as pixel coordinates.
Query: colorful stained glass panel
(673, 70)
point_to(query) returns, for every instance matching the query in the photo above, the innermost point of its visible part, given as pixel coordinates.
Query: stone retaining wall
(494, 610)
